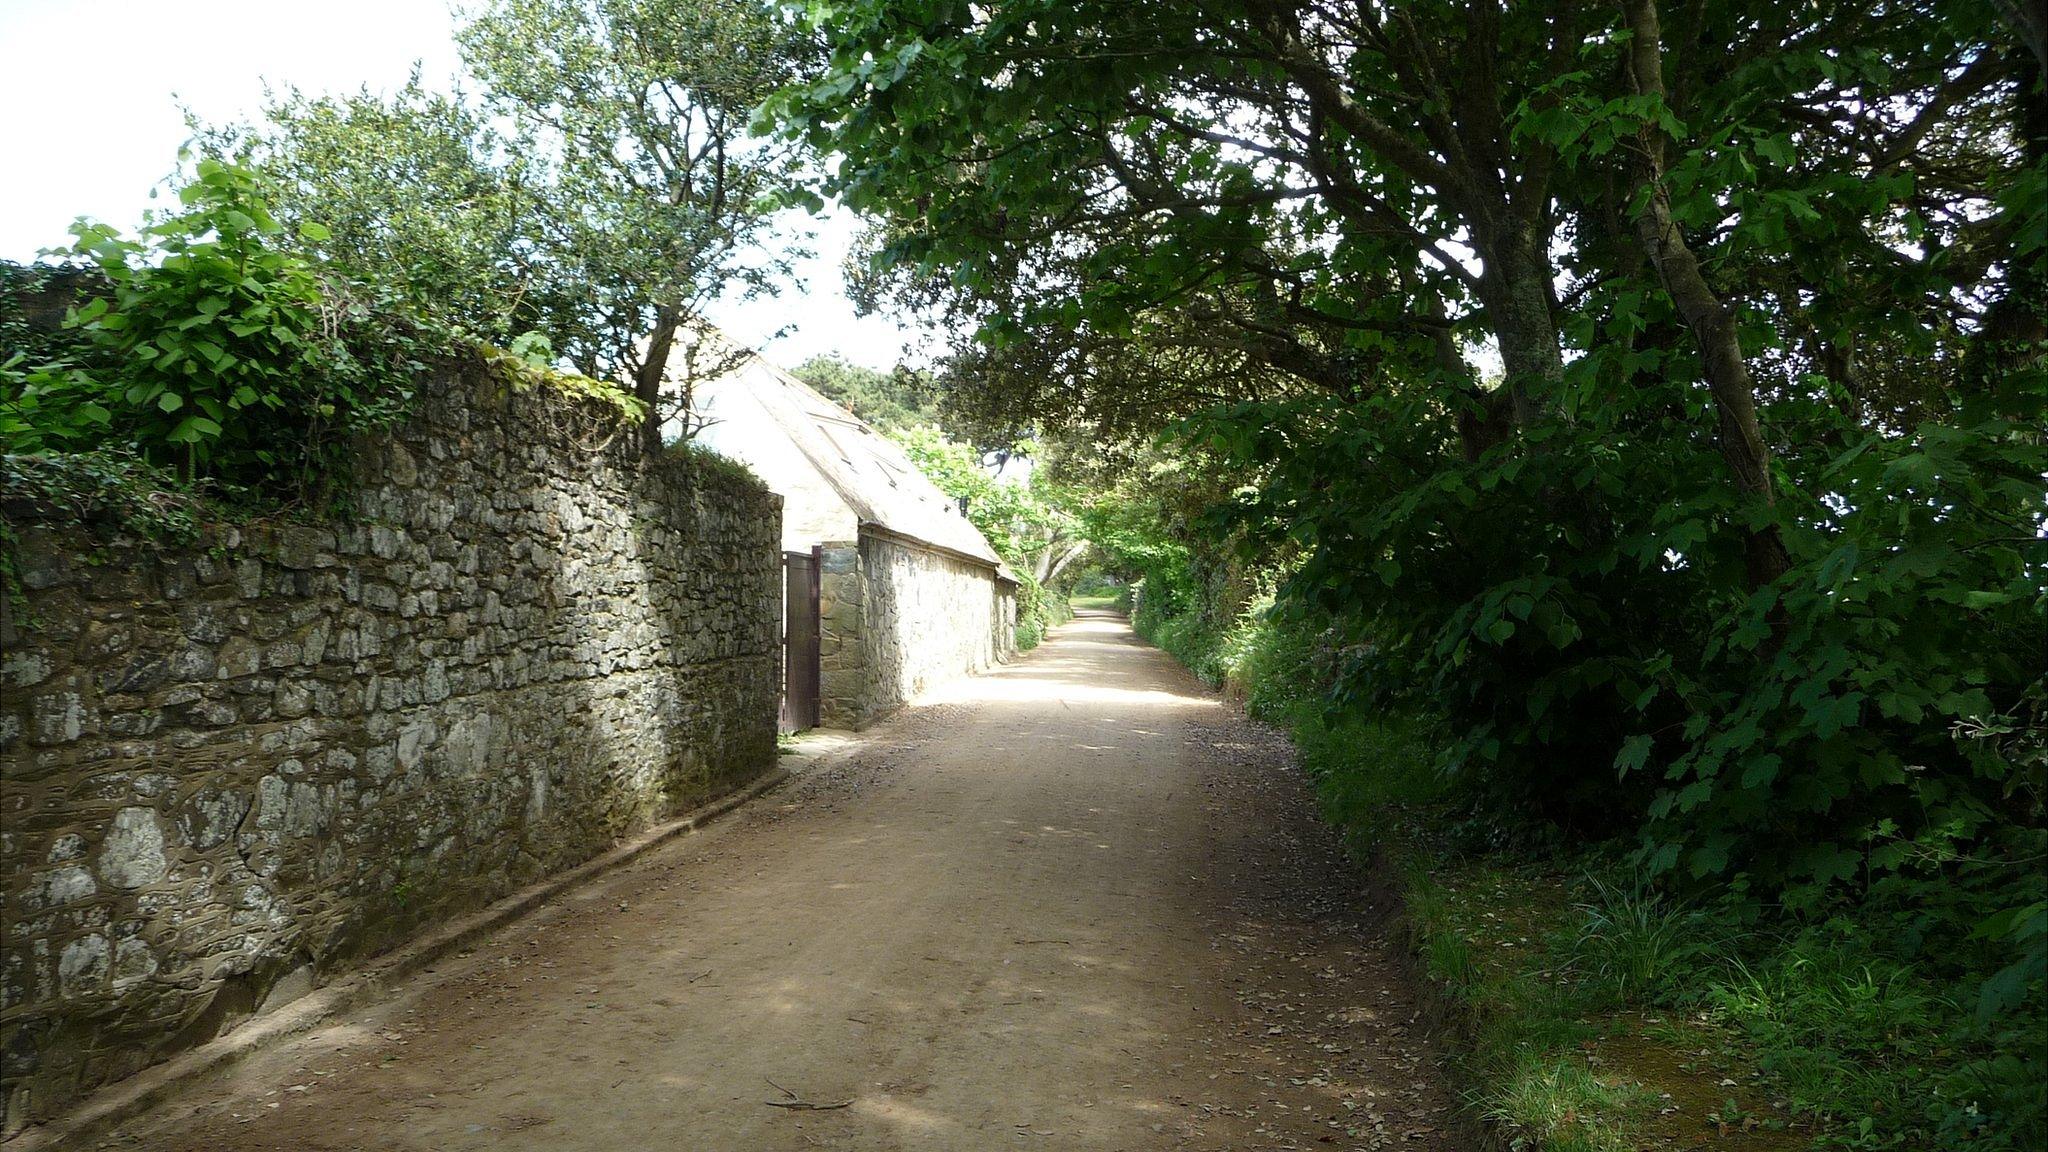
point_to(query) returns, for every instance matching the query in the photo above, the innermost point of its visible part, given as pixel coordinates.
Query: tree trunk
(1518, 311)
(647, 382)
(1072, 550)
(1711, 322)
(1523, 324)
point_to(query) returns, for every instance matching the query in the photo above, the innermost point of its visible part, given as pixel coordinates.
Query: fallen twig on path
(797, 1103)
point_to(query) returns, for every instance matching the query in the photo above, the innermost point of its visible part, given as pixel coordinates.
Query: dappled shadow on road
(1077, 904)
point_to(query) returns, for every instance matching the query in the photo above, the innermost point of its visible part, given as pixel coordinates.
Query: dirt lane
(1076, 904)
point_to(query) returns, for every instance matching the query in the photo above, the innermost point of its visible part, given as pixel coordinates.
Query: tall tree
(598, 186)
(1324, 178)
(659, 201)
(1584, 347)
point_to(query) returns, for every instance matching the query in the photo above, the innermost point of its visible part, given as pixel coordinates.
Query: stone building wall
(1006, 619)
(899, 618)
(229, 770)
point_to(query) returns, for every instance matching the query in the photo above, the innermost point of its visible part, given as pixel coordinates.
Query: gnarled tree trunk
(1711, 321)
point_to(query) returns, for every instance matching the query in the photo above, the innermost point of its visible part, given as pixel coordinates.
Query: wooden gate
(800, 671)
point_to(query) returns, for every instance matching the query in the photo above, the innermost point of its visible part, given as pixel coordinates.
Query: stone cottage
(910, 594)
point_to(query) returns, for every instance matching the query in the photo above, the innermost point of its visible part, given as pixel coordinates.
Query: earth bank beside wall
(229, 770)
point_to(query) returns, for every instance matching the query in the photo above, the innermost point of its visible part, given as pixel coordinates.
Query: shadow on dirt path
(1078, 903)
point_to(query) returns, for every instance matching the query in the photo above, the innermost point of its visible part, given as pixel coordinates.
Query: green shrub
(1189, 640)
(1602, 668)
(105, 489)
(697, 457)
(1039, 610)
(48, 402)
(212, 350)
(1098, 585)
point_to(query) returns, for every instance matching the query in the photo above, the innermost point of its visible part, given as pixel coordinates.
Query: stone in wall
(230, 771)
(842, 654)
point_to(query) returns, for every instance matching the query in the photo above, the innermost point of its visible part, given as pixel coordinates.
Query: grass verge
(1594, 1012)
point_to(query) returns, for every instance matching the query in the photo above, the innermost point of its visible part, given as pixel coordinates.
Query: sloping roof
(869, 471)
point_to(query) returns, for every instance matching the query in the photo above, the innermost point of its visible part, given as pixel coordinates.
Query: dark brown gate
(800, 672)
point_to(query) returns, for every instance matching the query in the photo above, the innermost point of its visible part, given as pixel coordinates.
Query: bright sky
(89, 121)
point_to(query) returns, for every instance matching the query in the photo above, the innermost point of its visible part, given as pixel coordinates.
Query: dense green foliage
(208, 347)
(1653, 400)
(1025, 521)
(420, 193)
(94, 489)
(1600, 565)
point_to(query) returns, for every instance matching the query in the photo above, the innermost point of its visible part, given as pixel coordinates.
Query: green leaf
(1635, 751)
(2005, 989)
(1710, 858)
(193, 429)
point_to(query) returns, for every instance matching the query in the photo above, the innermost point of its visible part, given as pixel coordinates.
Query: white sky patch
(92, 93)
(812, 313)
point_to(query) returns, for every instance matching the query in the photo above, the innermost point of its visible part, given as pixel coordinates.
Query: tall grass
(1634, 941)
(1561, 1106)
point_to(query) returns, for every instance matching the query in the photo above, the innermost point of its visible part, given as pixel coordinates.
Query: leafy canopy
(594, 182)
(1655, 392)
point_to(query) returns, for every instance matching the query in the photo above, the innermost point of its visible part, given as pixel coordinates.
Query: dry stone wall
(229, 770)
